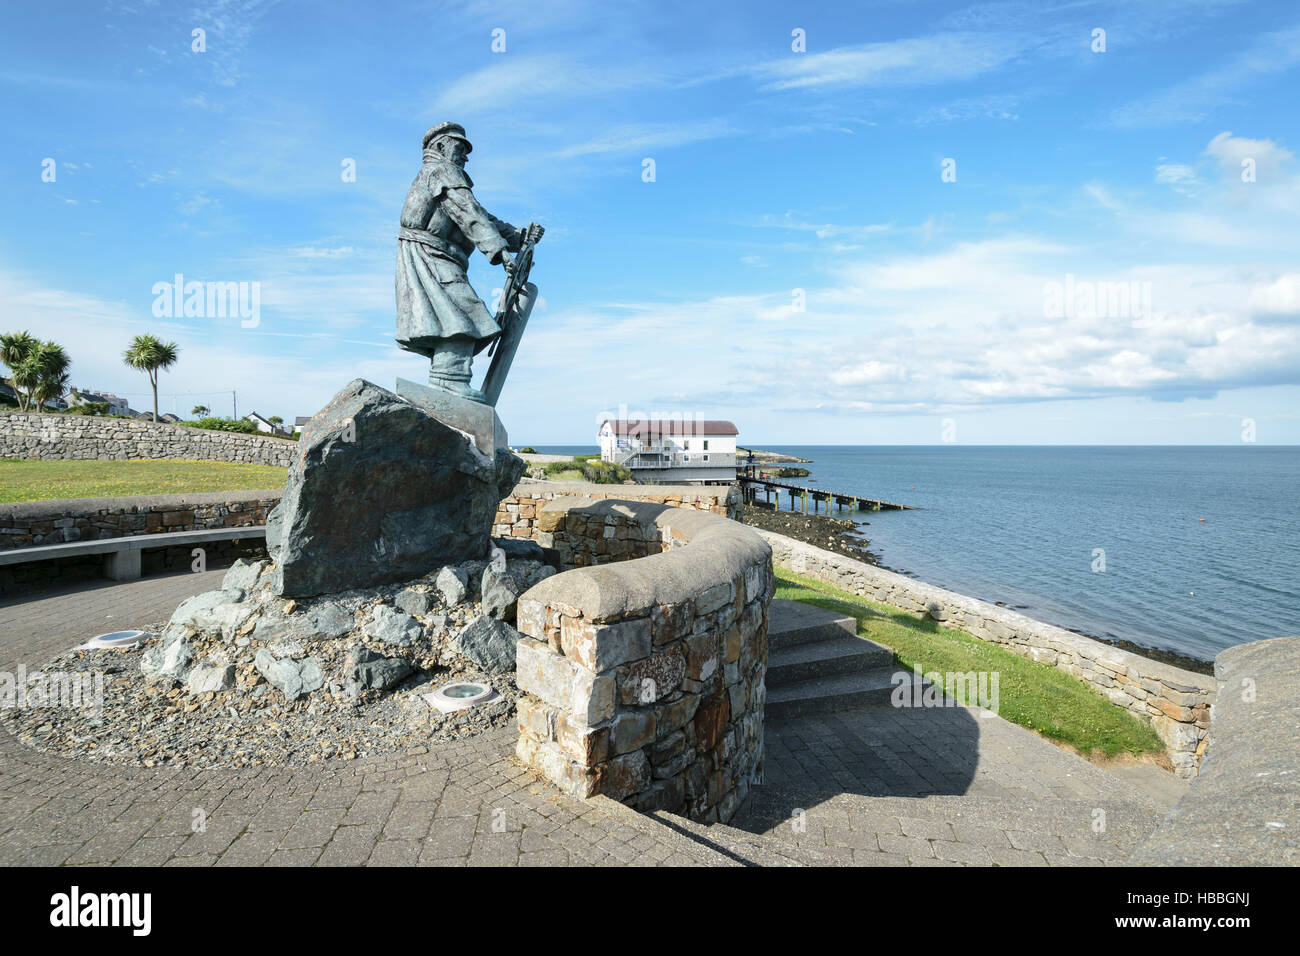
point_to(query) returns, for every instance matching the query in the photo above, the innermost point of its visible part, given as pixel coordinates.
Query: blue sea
(1200, 545)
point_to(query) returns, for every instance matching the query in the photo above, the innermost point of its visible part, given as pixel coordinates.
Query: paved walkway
(881, 786)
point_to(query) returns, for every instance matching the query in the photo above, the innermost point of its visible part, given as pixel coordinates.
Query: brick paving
(946, 786)
(877, 787)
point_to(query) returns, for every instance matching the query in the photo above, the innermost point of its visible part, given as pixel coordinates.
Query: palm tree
(38, 370)
(51, 373)
(202, 411)
(150, 354)
(15, 348)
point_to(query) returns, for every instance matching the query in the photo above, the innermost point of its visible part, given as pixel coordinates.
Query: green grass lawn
(22, 480)
(1033, 695)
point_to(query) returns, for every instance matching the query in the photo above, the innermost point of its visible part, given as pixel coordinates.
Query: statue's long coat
(434, 298)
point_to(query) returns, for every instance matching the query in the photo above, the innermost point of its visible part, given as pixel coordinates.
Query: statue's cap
(447, 129)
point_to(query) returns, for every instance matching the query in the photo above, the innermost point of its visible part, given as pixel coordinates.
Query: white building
(264, 425)
(665, 450)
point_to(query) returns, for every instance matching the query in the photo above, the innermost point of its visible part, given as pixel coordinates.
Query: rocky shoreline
(821, 531)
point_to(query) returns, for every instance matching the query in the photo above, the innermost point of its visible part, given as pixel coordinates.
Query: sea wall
(1174, 701)
(81, 437)
(1241, 810)
(642, 677)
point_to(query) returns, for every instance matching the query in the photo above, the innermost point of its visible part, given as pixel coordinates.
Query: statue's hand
(508, 262)
(538, 232)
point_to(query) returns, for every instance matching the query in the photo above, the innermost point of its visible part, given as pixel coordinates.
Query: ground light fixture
(461, 695)
(115, 640)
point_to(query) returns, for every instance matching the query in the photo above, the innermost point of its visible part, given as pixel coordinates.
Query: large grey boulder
(381, 491)
(489, 644)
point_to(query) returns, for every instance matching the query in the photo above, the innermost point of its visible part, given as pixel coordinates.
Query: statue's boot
(450, 366)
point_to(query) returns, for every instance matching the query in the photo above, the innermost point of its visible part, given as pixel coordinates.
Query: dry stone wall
(81, 437)
(643, 676)
(1174, 701)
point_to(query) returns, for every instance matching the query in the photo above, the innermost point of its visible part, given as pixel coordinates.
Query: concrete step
(790, 622)
(824, 658)
(825, 695)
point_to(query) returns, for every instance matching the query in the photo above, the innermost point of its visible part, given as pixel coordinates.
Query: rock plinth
(382, 491)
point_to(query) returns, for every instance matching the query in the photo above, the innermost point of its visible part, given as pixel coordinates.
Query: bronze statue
(439, 314)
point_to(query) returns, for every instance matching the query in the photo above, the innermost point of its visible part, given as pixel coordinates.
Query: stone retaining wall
(82, 437)
(1241, 808)
(518, 513)
(30, 523)
(1174, 701)
(643, 677)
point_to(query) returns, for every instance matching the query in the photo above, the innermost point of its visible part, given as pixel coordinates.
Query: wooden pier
(750, 488)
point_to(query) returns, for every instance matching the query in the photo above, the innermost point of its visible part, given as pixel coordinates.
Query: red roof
(643, 427)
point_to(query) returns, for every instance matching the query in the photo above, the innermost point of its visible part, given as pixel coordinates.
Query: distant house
(299, 422)
(671, 450)
(264, 425)
(116, 404)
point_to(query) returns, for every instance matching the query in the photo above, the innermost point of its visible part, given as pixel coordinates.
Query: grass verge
(1041, 698)
(22, 480)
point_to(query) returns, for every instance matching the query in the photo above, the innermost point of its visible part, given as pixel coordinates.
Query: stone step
(824, 658)
(742, 847)
(824, 695)
(791, 622)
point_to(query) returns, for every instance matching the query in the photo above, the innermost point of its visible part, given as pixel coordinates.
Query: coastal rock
(212, 676)
(167, 662)
(392, 626)
(367, 670)
(243, 575)
(291, 678)
(452, 584)
(206, 611)
(329, 620)
(413, 602)
(488, 643)
(500, 593)
(381, 491)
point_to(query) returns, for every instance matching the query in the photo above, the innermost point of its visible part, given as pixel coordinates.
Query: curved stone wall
(1241, 810)
(82, 437)
(642, 674)
(1175, 701)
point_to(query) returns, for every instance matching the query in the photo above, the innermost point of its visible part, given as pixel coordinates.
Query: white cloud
(913, 61)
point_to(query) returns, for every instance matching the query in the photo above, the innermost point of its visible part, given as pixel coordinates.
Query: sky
(864, 223)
